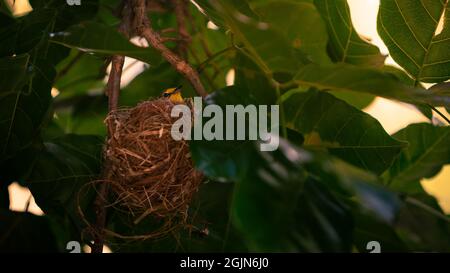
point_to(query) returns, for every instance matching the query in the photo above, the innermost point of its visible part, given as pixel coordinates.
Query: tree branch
(112, 91)
(145, 30)
(113, 85)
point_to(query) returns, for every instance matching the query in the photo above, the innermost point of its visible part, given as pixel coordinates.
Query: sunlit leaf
(410, 30)
(428, 151)
(345, 43)
(344, 131)
(344, 77)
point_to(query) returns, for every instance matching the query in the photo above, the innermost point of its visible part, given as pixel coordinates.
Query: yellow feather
(176, 98)
(174, 95)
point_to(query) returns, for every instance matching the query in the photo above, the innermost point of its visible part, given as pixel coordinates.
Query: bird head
(173, 94)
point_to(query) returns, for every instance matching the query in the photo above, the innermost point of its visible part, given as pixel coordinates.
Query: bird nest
(151, 173)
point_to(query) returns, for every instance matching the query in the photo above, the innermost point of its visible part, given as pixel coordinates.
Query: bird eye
(166, 95)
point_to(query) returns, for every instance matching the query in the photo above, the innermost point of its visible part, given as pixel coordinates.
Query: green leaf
(16, 168)
(403, 77)
(371, 229)
(60, 171)
(344, 131)
(250, 78)
(26, 33)
(25, 232)
(409, 29)
(4, 195)
(86, 116)
(215, 14)
(211, 209)
(344, 77)
(211, 51)
(428, 151)
(34, 29)
(422, 224)
(276, 207)
(4, 8)
(345, 44)
(359, 101)
(79, 74)
(67, 15)
(245, 93)
(291, 199)
(23, 110)
(225, 162)
(293, 19)
(13, 72)
(256, 38)
(93, 37)
(149, 84)
(441, 89)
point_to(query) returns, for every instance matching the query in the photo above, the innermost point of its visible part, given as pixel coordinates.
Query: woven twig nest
(152, 174)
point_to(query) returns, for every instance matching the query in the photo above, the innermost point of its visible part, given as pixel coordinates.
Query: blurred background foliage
(338, 180)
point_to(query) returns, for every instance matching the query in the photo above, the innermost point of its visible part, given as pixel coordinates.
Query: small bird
(174, 95)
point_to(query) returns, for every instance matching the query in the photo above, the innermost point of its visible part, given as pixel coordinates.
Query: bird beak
(178, 89)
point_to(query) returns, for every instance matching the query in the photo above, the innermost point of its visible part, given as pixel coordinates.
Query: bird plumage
(174, 95)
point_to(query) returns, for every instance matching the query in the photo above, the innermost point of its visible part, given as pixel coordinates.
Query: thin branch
(171, 39)
(153, 38)
(211, 58)
(113, 85)
(209, 80)
(168, 30)
(439, 113)
(203, 42)
(112, 91)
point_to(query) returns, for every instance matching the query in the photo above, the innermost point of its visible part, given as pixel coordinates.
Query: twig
(204, 44)
(153, 38)
(202, 65)
(439, 113)
(168, 30)
(112, 91)
(209, 80)
(171, 39)
(113, 85)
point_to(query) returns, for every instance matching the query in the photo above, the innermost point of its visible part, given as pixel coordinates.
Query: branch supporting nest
(112, 91)
(100, 203)
(135, 21)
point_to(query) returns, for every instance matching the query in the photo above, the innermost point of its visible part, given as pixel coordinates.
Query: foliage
(338, 180)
